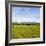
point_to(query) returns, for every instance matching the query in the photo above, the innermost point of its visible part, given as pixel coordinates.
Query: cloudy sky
(25, 14)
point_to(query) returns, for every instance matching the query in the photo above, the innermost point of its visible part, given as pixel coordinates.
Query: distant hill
(26, 23)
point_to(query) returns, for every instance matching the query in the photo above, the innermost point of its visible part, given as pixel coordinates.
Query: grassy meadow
(25, 31)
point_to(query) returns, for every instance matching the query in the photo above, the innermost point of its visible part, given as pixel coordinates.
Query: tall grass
(25, 31)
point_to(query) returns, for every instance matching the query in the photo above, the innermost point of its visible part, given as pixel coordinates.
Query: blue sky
(25, 14)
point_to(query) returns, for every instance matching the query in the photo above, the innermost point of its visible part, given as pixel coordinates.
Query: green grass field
(25, 31)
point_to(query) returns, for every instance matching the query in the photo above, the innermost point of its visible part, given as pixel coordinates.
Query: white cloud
(22, 19)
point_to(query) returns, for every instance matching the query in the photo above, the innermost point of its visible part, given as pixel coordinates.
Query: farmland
(25, 31)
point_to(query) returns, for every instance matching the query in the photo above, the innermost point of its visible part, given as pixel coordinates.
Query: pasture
(25, 31)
